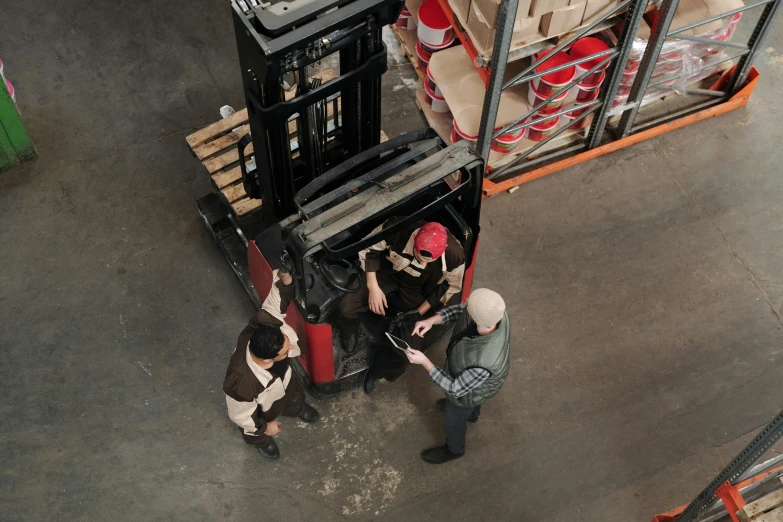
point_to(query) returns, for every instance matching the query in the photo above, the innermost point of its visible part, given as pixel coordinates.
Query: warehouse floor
(644, 289)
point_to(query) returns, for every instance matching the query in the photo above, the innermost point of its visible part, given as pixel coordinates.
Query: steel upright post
(633, 18)
(507, 14)
(650, 58)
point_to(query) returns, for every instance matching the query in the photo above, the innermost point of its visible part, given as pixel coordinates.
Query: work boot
(369, 382)
(439, 455)
(308, 414)
(269, 451)
(349, 333)
(442, 407)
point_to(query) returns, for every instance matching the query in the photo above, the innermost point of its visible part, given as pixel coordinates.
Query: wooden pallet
(766, 509)
(215, 147)
(408, 41)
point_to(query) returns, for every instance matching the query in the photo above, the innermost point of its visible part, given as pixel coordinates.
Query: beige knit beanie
(486, 307)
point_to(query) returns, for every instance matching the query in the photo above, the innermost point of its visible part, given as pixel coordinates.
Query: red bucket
(631, 66)
(548, 84)
(585, 95)
(583, 48)
(628, 78)
(434, 28)
(402, 20)
(567, 119)
(507, 142)
(535, 98)
(540, 131)
(424, 56)
(459, 135)
(433, 48)
(431, 83)
(438, 103)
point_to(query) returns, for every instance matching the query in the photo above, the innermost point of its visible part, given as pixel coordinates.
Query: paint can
(540, 131)
(434, 28)
(438, 103)
(583, 48)
(557, 81)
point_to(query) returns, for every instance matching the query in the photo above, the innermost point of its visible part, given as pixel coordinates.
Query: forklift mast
(292, 140)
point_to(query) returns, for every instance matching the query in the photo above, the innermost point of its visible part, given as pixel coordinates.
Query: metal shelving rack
(733, 91)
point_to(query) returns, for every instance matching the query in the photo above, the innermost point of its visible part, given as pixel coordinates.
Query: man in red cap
(414, 270)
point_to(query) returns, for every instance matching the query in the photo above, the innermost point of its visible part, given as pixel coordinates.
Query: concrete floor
(644, 288)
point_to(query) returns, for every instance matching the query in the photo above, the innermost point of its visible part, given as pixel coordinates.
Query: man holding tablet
(477, 364)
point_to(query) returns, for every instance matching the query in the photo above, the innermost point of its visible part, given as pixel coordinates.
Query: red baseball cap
(431, 237)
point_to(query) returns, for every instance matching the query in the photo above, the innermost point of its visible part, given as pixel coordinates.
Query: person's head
(430, 242)
(268, 344)
(486, 308)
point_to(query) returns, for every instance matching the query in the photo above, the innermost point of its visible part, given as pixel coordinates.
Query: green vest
(490, 352)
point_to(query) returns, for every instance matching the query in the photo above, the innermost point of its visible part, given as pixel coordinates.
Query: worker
(416, 270)
(260, 384)
(477, 364)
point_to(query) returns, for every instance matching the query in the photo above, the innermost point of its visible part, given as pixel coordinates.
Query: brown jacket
(255, 396)
(439, 280)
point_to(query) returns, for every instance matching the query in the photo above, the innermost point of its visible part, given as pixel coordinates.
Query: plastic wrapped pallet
(691, 61)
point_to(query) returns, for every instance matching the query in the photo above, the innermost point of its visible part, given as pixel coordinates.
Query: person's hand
(272, 428)
(377, 300)
(422, 327)
(416, 357)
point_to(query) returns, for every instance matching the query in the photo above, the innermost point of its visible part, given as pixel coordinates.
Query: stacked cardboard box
(535, 20)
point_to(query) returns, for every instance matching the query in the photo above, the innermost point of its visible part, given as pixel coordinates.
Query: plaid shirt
(468, 379)
(452, 313)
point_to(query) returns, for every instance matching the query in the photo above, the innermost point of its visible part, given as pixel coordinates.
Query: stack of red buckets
(590, 86)
(545, 86)
(435, 33)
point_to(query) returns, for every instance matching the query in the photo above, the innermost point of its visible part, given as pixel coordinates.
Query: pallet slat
(245, 205)
(772, 516)
(219, 127)
(226, 159)
(226, 177)
(213, 147)
(234, 192)
(755, 510)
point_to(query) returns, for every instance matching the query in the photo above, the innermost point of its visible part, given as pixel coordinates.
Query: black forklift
(328, 184)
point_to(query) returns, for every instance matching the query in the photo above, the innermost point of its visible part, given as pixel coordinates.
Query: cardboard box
(483, 35)
(562, 20)
(460, 7)
(692, 11)
(464, 90)
(489, 10)
(541, 7)
(596, 9)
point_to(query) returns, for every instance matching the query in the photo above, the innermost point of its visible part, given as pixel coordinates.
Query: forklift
(327, 185)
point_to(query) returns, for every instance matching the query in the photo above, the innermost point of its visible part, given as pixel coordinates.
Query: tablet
(398, 343)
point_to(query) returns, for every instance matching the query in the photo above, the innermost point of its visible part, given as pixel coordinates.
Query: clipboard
(398, 343)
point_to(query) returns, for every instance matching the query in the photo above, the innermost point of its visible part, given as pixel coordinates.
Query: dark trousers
(290, 405)
(399, 299)
(387, 362)
(455, 422)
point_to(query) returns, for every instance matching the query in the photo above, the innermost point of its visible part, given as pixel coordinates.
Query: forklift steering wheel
(342, 275)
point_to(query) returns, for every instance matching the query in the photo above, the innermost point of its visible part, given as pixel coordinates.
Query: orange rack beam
(465, 39)
(740, 99)
(730, 493)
